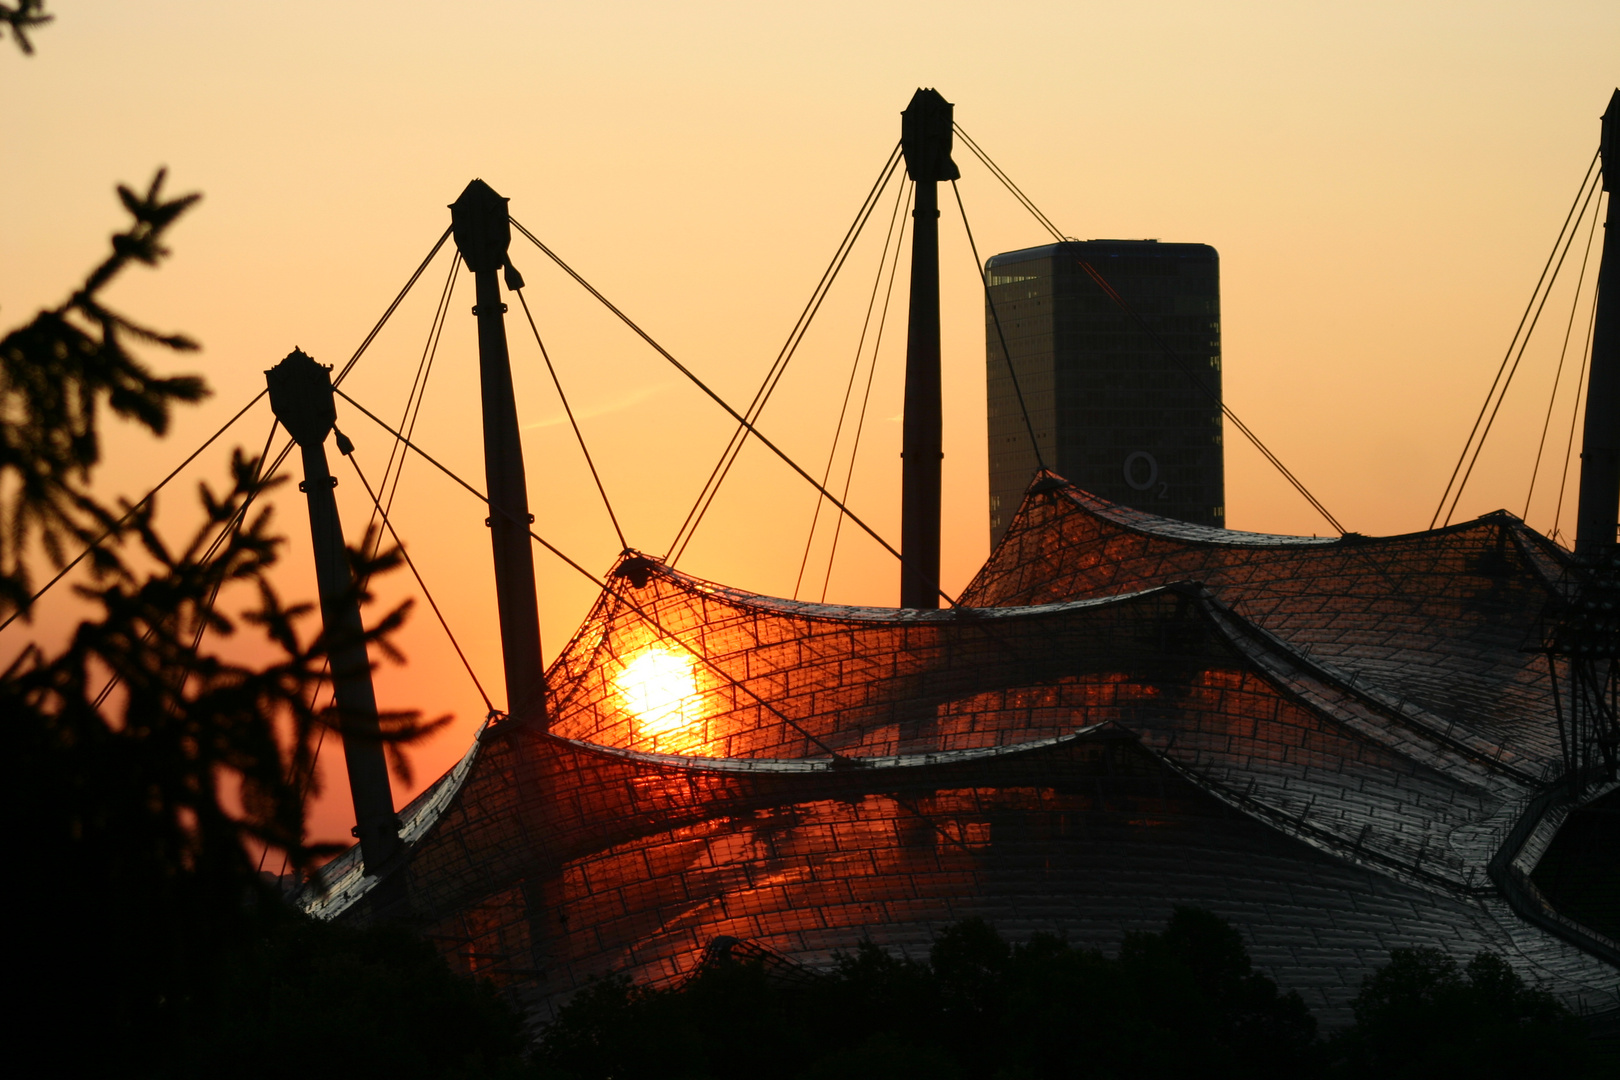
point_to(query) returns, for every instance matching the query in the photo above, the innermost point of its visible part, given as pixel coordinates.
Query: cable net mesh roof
(1436, 620)
(1325, 740)
(683, 666)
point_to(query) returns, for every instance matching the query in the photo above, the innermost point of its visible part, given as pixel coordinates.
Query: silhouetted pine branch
(23, 18)
(55, 374)
(140, 766)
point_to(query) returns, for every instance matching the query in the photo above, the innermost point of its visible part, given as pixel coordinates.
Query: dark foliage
(144, 941)
(140, 763)
(1174, 1004)
(302, 997)
(1181, 1003)
(25, 16)
(1424, 1016)
(56, 374)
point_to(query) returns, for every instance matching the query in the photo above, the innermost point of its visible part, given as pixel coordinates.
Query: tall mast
(483, 234)
(1599, 511)
(925, 140)
(301, 396)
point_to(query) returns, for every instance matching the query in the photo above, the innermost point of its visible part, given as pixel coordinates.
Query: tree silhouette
(144, 939)
(120, 804)
(1424, 1015)
(1183, 1002)
(27, 15)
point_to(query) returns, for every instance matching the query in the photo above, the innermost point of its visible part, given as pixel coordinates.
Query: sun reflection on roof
(659, 690)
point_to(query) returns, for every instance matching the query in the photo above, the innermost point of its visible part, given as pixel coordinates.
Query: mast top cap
(925, 137)
(301, 397)
(482, 230)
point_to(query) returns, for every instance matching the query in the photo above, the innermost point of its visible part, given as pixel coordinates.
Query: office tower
(1115, 412)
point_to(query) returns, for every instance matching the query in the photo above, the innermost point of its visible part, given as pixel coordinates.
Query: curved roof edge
(805, 766)
(1515, 860)
(1264, 650)
(634, 565)
(1325, 840)
(1140, 521)
(341, 883)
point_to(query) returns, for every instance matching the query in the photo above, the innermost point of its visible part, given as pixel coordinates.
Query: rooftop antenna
(925, 140)
(483, 233)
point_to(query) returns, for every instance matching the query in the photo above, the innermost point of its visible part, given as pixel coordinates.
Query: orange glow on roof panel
(659, 690)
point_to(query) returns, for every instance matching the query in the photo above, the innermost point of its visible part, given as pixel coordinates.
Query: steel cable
(598, 582)
(1006, 181)
(778, 368)
(1226, 410)
(418, 394)
(1575, 412)
(161, 484)
(849, 386)
(995, 316)
(718, 400)
(142, 501)
(1058, 235)
(1514, 370)
(426, 593)
(1467, 443)
(228, 529)
(866, 397)
(721, 466)
(1563, 351)
(568, 410)
(398, 299)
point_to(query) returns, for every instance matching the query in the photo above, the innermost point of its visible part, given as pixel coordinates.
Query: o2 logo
(1142, 474)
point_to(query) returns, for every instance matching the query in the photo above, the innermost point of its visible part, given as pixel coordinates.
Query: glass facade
(1113, 412)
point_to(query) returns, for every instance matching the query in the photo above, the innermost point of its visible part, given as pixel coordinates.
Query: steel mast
(925, 140)
(483, 233)
(1600, 440)
(1582, 629)
(301, 396)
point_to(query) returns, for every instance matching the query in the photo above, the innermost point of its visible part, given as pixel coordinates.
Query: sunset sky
(1383, 183)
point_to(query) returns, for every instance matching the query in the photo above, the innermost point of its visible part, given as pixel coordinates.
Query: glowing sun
(660, 691)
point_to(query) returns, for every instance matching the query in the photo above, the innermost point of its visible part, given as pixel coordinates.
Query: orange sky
(1383, 182)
